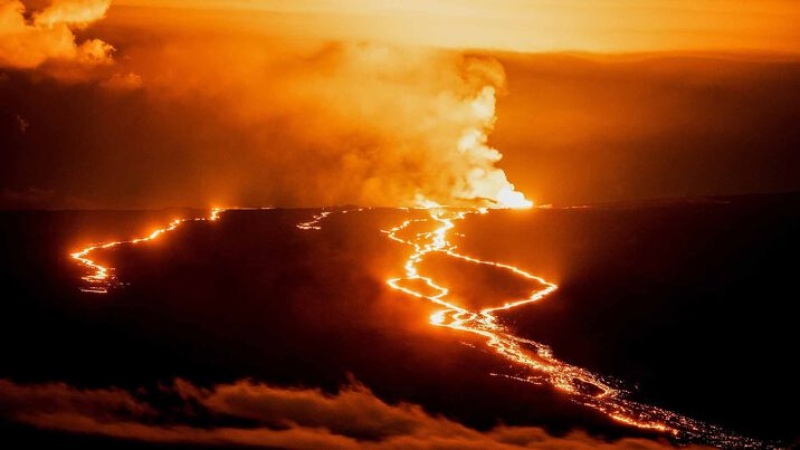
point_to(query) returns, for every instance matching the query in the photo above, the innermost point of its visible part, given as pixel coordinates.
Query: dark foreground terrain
(689, 303)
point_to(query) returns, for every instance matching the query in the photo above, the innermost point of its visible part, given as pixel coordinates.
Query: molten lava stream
(102, 278)
(535, 359)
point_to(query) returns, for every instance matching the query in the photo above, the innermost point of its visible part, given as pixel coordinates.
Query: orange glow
(313, 224)
(49, 34)
(529, 26)
(102, 279)
(536, 359)
(74, 13)
(482, 181)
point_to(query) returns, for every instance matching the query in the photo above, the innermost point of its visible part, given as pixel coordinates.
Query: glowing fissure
(313, 224)
(535, 360)
(102, 278)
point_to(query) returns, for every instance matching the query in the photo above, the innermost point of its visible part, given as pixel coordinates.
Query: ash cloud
(296, 418)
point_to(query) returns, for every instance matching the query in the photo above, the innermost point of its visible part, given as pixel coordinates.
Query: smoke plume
(359, 123)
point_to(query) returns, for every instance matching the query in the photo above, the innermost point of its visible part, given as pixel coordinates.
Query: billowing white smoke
(365, 123)
(361, 123)
(433, 113)
(483, 180)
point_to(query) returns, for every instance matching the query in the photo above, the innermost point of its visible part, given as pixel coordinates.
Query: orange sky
(527, 25)
(302, 103)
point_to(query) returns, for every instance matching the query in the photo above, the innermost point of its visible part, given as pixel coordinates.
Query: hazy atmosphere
(254, 103)
(345, 224)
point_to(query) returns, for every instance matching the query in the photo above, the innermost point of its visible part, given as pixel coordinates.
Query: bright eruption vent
(50, 33)
(483, 182)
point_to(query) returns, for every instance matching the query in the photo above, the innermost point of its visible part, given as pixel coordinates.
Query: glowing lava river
(102, 278)
(534, 359)
(533, 362)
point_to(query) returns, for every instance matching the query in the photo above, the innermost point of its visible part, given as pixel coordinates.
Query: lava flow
(313, 224)
(534, 360)
(102, 278)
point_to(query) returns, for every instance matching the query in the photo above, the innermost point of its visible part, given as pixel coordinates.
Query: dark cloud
(30, 402)
(40, 198)
(24, 199)
(296, 418)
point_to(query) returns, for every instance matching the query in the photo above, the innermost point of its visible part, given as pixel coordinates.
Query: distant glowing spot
(510, 198)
